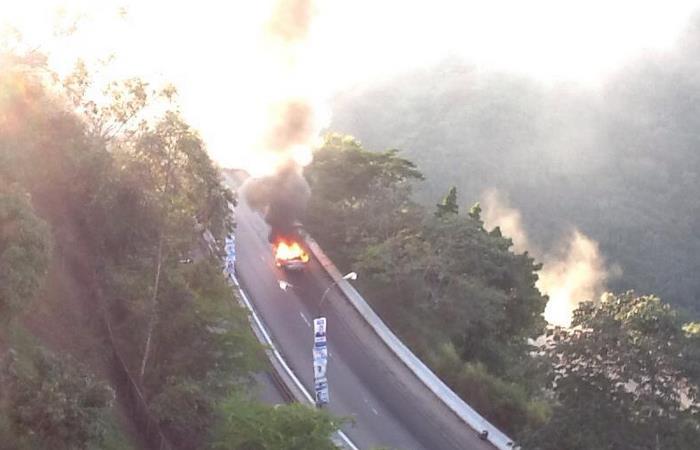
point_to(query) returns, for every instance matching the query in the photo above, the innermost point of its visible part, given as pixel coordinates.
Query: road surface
(387, 404)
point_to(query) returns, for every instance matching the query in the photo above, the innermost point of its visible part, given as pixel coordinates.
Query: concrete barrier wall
(432, 382)
(292, 387)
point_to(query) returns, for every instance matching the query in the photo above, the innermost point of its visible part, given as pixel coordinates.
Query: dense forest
(117, 322)
(625, 376)
(620, 162)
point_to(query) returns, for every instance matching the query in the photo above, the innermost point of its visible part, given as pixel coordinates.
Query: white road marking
(376, 413)
(278, 356)
(305, 319)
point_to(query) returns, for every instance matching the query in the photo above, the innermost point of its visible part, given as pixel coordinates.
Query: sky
(231, 73)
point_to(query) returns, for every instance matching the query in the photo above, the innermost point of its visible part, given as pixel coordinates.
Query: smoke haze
(291, 20)
(232, 61)
(282, 198)
(292, 127)
(575, 271)
(574, 275)
(496, 213)
(294, 120)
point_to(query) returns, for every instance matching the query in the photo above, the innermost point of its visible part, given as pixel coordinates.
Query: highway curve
(388, 405)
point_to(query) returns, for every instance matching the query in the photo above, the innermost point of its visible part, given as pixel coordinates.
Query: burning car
(290, 254)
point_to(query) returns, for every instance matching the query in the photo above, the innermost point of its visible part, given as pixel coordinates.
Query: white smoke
(573, 272)
(296, 114)
(497, 213)
(576, 275)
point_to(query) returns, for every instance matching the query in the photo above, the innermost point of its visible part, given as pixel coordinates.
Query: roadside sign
(320, 360)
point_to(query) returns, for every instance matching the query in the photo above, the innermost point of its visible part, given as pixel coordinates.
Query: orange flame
(289, 251)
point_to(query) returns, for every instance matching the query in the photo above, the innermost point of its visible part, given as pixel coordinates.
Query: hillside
(619, 162)
(118, 328)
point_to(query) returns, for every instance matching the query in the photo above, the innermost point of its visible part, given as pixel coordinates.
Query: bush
(49, 402)
(24, 252)
(248, 425)
(507, 404)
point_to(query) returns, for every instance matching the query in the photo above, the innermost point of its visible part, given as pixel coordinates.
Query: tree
(440, 280)
(172, 163)
(475, 211)
(52, 402)
(464, 284)
(203, 349)
(246, 425)
(355, 170)
(448, 205)
(174, 317)
(25, 244)
(625, 376)
(140, 194)
(358, 196)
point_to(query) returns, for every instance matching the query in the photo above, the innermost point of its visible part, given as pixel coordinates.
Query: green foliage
(464, 284)
(247, 425)
(356, 170)
(437, 279)
(157, 193)
(51, 402)
(506, 403)
(25, 245)
(203, 333)
(185, 409)
(448, 205)
(160, 193)
(358, 196)
(628, 362)
(140, 194)
(475, 212)
(202, 343)
(115, 438)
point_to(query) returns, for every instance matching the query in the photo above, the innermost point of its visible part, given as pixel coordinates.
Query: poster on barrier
(320, 361)
(319, 371)
(320, 332)
(320, 354)
(321, 388)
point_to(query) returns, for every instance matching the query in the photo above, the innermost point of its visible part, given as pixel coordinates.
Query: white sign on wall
(320, 359)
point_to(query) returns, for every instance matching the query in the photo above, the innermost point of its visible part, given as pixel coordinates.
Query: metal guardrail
(465, 412)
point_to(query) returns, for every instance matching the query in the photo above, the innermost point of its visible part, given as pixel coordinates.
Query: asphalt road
(387, 404)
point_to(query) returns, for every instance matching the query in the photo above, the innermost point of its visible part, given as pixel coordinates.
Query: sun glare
(228, 71)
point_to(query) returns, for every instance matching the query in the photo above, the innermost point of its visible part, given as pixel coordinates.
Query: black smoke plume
(281, 197)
